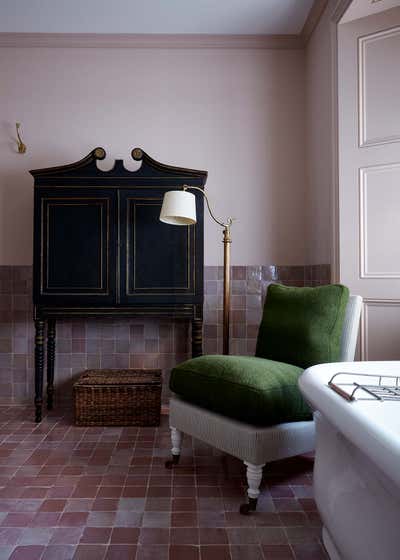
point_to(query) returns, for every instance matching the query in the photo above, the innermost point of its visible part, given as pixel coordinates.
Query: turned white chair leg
(176, 440)
(254, 477)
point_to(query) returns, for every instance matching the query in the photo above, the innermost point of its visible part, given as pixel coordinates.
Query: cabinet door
(75, 247)
(160, 263)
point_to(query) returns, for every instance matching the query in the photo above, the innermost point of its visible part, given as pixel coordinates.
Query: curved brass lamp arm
(219, 222)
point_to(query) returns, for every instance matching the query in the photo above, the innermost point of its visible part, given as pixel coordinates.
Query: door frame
(336, 16)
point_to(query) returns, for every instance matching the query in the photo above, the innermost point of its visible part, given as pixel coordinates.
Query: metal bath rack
(378, 390)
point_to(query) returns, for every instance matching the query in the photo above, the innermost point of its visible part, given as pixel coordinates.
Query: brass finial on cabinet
(20, 144)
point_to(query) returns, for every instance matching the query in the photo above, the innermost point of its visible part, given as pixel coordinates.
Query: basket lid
(119, 377)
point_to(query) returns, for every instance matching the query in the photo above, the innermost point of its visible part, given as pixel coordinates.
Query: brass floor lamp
(179, 209)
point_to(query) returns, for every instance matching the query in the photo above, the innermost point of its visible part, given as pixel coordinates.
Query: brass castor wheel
(246, 509)
(172, 462)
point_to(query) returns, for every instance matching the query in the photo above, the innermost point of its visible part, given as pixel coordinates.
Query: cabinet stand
(40, 324)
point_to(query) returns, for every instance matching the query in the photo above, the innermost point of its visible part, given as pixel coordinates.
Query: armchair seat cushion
(250, 389)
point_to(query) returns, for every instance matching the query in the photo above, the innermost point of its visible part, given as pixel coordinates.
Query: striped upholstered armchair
(251, 407)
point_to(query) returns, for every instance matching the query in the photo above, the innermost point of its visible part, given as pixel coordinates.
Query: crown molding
(314, 15)
(340, 9)
(150, 41)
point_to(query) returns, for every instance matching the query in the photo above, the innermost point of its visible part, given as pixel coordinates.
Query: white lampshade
(179, 208)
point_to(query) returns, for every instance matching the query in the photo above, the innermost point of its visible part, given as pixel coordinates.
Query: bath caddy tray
(371, 387)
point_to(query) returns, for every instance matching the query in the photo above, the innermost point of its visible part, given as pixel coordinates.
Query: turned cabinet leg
(176, 440)
(39, 367)
(254, 476)
(51, 349)
(197, 338)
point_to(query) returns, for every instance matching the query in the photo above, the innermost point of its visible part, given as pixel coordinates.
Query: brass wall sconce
(20, 144)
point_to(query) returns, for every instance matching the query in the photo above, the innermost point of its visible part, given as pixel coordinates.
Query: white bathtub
(357, 466)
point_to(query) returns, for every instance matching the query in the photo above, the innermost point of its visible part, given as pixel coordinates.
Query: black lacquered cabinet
(100, 250)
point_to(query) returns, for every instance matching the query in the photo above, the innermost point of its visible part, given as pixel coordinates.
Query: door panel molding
(364, 172)
(365, 322)
(363, 43)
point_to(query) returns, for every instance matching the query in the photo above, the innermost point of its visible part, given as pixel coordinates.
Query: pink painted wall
(240, 114)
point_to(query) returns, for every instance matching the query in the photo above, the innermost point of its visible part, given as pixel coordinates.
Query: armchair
(291, 429)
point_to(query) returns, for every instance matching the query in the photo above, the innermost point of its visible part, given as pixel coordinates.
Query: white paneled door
(369, 176)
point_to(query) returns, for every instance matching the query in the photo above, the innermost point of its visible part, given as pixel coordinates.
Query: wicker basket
(118, 397)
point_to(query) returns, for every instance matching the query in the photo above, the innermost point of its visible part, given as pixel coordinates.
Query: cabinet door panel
(76, 247)
(160, 263)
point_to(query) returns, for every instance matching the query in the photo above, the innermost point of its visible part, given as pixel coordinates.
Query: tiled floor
(104, 494)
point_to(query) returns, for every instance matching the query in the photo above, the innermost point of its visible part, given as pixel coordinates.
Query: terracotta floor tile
(308, 504)
(156, 519)
(215, 552)
(184, 552)
(274, 552)
(12, 492)
(271, 535)
(211, 519)
(184, 504)
(246, 552)
(184, 519)
(60, 492)
(27, 553)
(153, 536)
(96, 535)
(105, 504)
(183, 492)
(90, 552)
(287, 504)
(124, 535)
(212, 535)
(110, 492)
(152, 552)
(158, 504)
(5, 552)
(184, 535)
(101, 519)
(73, 519)
(83, 491)
(242, 535)
(34, 492)
(17, 519)
(9, 535)
(113, 480)
(159, 492)
(134, 491)
(128, 519)
(302, 535)
(281, 491)
(121, 552)
(59, 552)
(79, 504)
(234, 519)
(314, 519)
(309, 551)
(51, 506)
(36, 535)
(66, 535)
(293, 519)
(45, 519)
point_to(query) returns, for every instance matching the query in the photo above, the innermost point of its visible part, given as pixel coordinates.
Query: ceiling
(234, 17)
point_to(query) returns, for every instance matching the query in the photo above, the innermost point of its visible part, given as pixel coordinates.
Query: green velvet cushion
(302, 326)
(254, 390)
